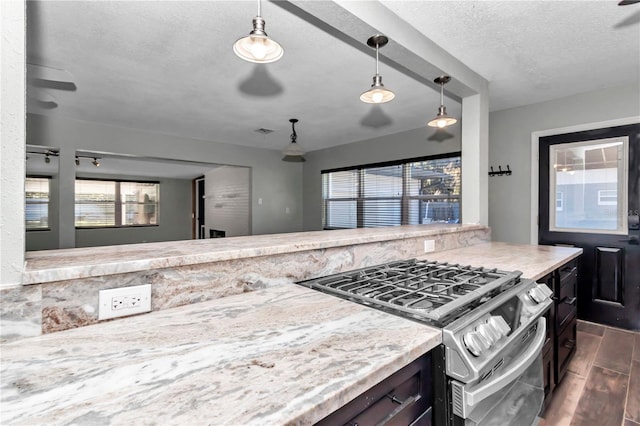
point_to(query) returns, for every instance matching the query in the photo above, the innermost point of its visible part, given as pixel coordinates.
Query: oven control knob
(474, 343)
(489, 333)
(498, 323)
(539, 293)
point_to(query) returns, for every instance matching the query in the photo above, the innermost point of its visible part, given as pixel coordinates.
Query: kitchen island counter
(66, 264)
(534, 261)
(281, 355)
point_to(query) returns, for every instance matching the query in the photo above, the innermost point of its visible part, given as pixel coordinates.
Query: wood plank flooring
(602, 385)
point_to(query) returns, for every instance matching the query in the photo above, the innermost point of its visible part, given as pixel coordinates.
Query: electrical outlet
(429, 246)
(124, 301)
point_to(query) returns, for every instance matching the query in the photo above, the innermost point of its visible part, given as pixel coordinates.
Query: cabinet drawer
(565, 311)
(568, 271)
(568, 290)
(402, 398)
(565, 348)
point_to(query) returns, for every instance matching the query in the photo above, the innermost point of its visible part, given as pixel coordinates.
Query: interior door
(589, 197)
(199, 208)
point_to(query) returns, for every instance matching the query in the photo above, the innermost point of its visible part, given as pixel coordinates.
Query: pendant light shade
(293, 152)
(378, 94)
(257, 47)
(442, 119)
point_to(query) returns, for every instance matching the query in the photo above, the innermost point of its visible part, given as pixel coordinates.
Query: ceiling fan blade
(53, 84)
(49, 77)
(628, 2)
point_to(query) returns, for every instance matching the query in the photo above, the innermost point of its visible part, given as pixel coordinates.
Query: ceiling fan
(628, 2)
(41, 77)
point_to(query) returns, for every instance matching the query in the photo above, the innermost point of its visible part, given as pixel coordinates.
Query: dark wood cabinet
(560, 345)
(565, 291)
(404, 398)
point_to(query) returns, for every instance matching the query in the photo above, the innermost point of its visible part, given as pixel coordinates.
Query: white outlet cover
(429, 246)
(105, 298)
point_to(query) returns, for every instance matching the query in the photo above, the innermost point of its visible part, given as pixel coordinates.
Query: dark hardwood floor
(602, 386)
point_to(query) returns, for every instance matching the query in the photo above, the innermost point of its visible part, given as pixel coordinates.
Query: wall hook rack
(500, 172)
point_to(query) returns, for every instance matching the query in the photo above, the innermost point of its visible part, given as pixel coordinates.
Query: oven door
(513, 395)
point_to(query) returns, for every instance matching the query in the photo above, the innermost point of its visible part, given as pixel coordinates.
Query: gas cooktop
(423, 290)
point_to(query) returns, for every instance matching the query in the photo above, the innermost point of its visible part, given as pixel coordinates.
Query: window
(559, 201)
(607, 197)
(592, 177)
(37, 203)
(416, 191)
(102, 203)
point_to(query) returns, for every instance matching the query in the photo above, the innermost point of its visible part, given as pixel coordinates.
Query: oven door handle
(518, 367)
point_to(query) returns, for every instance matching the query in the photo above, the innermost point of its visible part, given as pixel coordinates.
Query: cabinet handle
(570, 301)
(409, 401)
(394, 399)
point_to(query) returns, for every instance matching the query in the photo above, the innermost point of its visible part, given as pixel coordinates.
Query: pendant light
(293, 152)
(257, 47)
(378, 94)
(442, 119)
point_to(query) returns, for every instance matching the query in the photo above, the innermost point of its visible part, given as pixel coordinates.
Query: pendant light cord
(377, 47)
(259, 8)
(441, 94)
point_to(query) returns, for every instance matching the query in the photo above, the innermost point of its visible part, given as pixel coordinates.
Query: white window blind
(37, 202)
(104, 203)
(415, 191)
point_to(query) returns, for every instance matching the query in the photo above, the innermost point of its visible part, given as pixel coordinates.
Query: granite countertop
(533, 261)
(66, 264)
(285, 354)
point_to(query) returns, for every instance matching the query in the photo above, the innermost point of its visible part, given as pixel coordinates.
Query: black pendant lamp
(293, 152)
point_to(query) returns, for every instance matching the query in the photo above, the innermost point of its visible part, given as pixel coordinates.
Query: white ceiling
(168, 67)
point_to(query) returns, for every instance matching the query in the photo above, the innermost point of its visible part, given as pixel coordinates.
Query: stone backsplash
(48, 307)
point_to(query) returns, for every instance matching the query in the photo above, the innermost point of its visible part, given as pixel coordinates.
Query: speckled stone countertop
(533, 261)
(56, 265)
(282, 355)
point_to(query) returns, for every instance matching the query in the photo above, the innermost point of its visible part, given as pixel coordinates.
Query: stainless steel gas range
(488, 370)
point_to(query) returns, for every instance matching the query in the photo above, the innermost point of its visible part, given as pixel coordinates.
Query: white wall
(510, 130)
(276, 182)
(419, 142)
(227, 195)
(12, 149)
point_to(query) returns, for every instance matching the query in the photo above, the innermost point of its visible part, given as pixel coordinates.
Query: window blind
(415, 191)
(37, 202)
(104, 203)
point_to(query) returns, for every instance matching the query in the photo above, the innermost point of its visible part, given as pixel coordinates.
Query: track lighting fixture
(442, 119)
(378, 94)
(293, 152)
(47, 153)
(94, 160)
(257, 46)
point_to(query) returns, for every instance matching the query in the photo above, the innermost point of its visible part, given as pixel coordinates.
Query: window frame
(118, 204)
(404, 198)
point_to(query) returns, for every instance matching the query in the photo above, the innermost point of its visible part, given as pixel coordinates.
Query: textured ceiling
(534, 51)
(168, 67)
